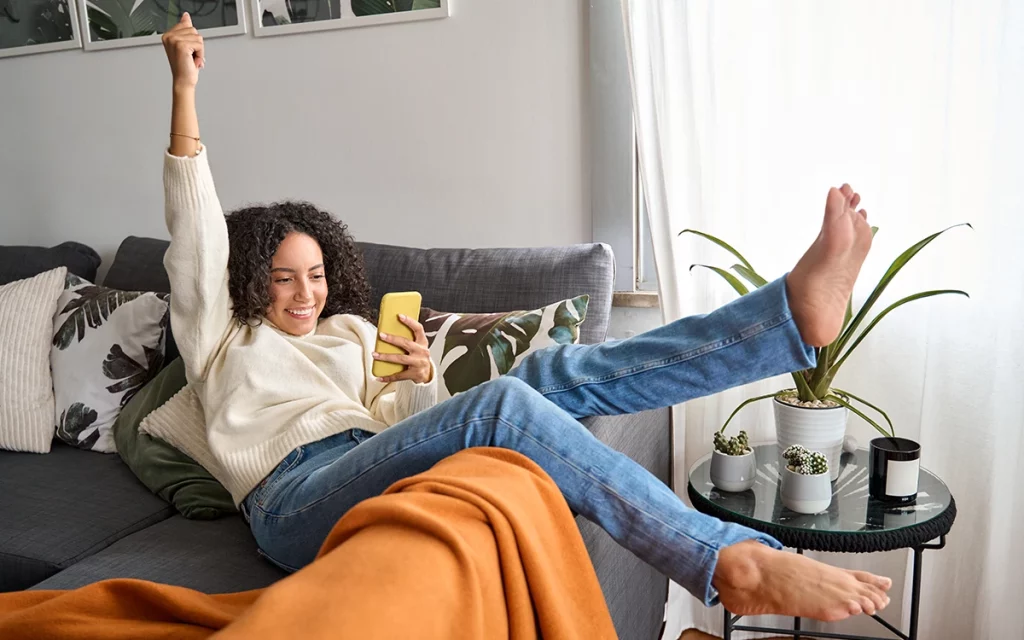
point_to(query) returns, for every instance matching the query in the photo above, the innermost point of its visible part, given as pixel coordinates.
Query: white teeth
(305, 313)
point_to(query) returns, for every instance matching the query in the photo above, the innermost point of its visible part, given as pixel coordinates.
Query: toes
(867, 605)
(854, 608)
(881, 582)
(855, 201)
(835, 205)
(863, 214)
(878, 598)
(847, 191)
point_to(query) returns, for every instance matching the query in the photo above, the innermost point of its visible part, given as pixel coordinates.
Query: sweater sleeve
(395, 401)
(196, 262)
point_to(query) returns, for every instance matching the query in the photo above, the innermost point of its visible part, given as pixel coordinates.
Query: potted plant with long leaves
(814, 413)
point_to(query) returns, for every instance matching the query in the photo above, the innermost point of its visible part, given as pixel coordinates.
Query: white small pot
(733, 473)
(806, 494)
(818, 429)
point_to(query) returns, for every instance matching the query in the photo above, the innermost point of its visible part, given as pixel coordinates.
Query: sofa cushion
(494, 280)
(18, 263)
(139, 266)
(58, 508)
(471, 348)
(216, 556)
(167, 472)
(471, 280)
(107, 344)
(26, 386)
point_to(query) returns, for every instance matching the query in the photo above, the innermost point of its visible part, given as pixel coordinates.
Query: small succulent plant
(735, 446)
(803, 461)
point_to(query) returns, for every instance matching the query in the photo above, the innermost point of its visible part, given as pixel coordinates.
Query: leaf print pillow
(106, 345)
(470, 348)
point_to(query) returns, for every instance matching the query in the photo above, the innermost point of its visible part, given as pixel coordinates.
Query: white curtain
(746, 113)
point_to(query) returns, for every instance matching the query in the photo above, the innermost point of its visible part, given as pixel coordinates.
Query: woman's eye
(283, 281)
(319, 277)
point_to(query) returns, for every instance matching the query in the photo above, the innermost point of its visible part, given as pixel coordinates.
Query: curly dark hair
(254, 234)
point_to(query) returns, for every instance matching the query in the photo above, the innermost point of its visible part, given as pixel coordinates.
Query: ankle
(794, 294)
(739, 566)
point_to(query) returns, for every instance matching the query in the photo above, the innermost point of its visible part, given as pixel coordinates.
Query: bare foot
(820, 284)
(754, 579)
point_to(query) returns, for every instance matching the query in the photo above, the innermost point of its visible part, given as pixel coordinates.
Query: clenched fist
(184, 48)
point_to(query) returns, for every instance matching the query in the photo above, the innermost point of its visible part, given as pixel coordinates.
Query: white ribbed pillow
(26, 386)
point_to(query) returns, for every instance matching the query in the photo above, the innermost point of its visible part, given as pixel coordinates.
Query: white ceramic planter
(806, 494)
(818, 429)
(733, 473)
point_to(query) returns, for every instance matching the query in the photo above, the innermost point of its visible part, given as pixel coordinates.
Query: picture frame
(54, 23)
(110, 19)
(293, 16)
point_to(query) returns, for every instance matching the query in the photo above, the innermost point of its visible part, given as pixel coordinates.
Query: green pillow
(164, 470)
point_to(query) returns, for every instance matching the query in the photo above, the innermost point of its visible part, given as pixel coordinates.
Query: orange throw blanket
(482, 545)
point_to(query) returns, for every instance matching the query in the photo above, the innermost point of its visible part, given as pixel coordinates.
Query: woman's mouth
(301, 314)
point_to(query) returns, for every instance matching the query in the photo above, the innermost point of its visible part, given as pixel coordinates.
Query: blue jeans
(534, 410)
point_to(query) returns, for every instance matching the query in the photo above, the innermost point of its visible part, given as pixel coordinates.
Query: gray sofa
(72, 517)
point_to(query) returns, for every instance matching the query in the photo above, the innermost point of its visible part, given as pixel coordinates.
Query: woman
(276, 339)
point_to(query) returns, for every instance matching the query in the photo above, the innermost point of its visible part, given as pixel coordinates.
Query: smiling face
(298, 285)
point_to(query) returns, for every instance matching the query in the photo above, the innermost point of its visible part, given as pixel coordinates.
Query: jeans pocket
(360, 436)
(267, 486)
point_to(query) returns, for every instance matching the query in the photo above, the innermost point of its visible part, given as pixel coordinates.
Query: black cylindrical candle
(894, 471)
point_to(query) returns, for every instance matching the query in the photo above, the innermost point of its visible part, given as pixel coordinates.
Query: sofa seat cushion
(63, 506)
(212, 556)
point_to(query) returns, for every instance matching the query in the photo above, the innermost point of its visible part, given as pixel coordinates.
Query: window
(619, 217)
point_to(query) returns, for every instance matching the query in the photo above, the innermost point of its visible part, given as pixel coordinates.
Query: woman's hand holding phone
(416, 359)
(401, 352)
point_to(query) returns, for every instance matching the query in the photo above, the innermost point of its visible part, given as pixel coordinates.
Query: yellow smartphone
(391, 305)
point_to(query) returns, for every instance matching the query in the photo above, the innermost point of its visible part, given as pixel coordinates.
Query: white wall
(467, 131)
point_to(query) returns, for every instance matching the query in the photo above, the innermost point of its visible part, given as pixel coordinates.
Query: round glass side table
(853, 523)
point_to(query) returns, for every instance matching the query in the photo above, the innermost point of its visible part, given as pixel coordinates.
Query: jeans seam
(498, 418)
(740, 336)
(610, 491)
(275, 561)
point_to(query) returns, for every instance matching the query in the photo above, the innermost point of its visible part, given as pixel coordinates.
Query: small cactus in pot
(733, 467)
(735, 446)
(805, 462)
(806, 487)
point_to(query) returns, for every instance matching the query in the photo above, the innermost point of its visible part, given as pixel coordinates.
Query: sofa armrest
(636, 593)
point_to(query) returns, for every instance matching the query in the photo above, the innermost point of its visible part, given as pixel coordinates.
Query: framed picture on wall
(279, 17)
(37, 26)
(109, 24)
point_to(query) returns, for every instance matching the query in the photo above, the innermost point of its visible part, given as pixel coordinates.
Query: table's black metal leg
(727, 630)
(796, 621)
(915, 593)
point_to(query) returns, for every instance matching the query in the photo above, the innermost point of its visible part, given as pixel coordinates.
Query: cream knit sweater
(263, 392)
